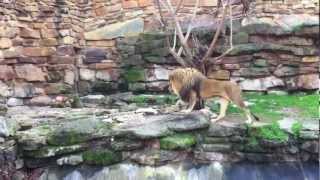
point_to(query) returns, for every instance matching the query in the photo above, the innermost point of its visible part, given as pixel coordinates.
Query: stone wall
(49, 48)
(35, 138)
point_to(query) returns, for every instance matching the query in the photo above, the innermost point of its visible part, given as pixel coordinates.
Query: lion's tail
(255, 117)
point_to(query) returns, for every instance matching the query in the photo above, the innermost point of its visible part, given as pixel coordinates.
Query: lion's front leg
(223, 108)
(192, 102)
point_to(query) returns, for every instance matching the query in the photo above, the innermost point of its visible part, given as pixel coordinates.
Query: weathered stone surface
(5, 43)
(69, 77)
(37, 51)
(154, 157)
(157, 86)
(261, 84)
(4, 90)
(6, 73)
(157, 73)
(121, 29)
(163, 125)
(94, 55)
(65, 50)
(14, 102)
(311, 146)
(104, 75)
(310, 81)
(225, 129)
(29, 33)
(254, 72)
(310, 59)
(70, 160)
(41, 101)
(87, 74)
(62, 60)
(282, 71)
(4, 131)
(23, 90)
(57, 88)
(30, 72)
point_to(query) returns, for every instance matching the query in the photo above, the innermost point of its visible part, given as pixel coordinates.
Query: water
(187, 171)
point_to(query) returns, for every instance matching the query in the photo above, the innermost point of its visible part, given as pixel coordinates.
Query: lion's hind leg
(223, 109)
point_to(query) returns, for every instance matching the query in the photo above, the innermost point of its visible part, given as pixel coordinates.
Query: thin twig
(231, 24)
(178, 6)
(194, 14)
(215, 37)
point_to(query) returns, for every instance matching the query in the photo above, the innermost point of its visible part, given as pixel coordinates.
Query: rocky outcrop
(97, 136)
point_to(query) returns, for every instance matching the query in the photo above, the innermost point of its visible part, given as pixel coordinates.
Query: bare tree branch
(215, 37)
(194, 14)
(178, 6)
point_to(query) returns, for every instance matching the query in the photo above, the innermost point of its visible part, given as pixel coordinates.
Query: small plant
(273, 132)
(296, 129)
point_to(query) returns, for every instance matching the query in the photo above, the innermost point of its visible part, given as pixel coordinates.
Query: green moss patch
(271, 132)
(67, 138)
(101, 157)
(177, 141)
(134, 75)
(296, 129)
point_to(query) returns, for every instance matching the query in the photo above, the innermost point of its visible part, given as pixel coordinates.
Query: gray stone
(157, 73)
(41, 101)
(5, 90)
(94, 99)
(14, 102)
(103, 75)
(261, 84)
(4, 131)
(154, 157)
(23, 90)
(87, 74)
(137, 87)
(254, 72)
(216, 147)
(95, 55)
(70, 160)
(226, 129)
(285, 71)
(240, 38)
(311, 146)
(120, 29)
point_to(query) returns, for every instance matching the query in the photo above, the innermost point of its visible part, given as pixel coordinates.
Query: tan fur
(193, 84)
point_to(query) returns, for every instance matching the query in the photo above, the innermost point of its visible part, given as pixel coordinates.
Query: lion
(190, 85)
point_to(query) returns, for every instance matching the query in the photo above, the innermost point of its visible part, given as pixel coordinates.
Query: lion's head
(183, 80)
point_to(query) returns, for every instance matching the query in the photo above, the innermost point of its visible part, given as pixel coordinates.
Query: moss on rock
(177, 141)
(66, 138)
(101, 157)
(134, 75)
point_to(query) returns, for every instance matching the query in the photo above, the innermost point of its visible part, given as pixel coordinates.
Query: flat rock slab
(43, 126)
(154, 126)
